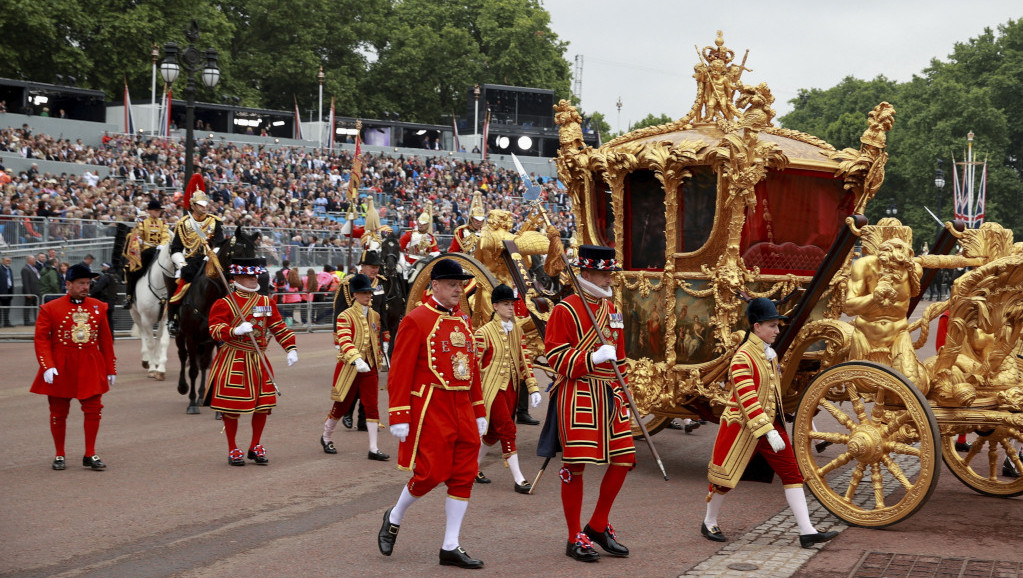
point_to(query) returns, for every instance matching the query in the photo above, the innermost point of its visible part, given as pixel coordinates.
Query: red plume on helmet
(195, 183)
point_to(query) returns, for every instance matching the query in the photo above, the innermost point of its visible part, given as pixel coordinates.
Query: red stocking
(92, 409)
(572, 498)
(609, 488)
(231, 428)
(258, 422)
(59, 407)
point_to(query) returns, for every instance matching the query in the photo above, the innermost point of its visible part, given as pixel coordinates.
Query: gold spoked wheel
(880, 464)
(653, 422)
(983, 467)
(477, 305)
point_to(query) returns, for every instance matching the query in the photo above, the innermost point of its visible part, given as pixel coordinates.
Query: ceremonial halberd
(721, 206)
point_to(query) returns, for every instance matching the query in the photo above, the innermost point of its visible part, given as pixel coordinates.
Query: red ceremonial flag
(330, 127)
(129, 120)
(356, 178)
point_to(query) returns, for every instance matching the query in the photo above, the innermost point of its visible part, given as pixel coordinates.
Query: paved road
(170, 505)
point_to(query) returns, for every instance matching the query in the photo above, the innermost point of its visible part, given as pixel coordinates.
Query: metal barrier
(309, 314)
(23, 312)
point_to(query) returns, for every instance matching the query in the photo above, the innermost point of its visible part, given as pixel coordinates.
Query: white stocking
(513, 465)
(328, 429)
(484, 448)
(797, 502)
(713, 508)
(455, 510)
(372, 430)
(404, 501)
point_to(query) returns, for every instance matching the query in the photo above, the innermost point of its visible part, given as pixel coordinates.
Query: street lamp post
(319, 119)
(190, 60)
(939, 182)
(476, 117)
(152, 107)
(892, 210)
(619, 105)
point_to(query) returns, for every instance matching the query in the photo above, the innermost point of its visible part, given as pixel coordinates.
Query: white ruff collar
(239, 287)
(593, 290)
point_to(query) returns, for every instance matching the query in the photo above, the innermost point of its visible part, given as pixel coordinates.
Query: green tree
(651, 120)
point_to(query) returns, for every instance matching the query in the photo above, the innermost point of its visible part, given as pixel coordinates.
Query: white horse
(148, 310)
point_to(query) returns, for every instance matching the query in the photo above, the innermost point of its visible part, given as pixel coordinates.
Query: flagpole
(319, 119)
(152, 104)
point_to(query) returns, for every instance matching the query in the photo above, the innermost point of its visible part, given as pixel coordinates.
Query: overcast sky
(642, 50)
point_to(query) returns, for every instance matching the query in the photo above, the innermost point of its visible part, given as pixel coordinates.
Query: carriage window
(696, 206)
(604, 208)
(644, 221)
(798, 215)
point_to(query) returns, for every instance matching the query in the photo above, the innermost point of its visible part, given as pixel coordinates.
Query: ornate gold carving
(460, 366)
(863, 170)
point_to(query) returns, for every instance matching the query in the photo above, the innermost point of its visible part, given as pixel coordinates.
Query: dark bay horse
(396, 294)
(195, 346)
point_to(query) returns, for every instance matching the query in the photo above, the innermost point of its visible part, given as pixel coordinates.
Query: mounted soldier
(187, 247)
(420, 243)
(467, 236)
(149, 235)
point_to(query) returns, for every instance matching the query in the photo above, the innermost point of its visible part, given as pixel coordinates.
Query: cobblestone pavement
(772, 549)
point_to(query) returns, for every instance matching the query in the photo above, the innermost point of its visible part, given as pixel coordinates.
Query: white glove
(178, 259)
(110, 380)
(481, 424)
(605, 353)
(774, 438)
(434, 253)
(534, 399)
(387, 346)
(400, 431)
(292, 357)
(50, 373)
(243, 328)
(361, 366)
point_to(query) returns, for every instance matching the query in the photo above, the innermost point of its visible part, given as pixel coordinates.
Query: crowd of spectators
(287, 190)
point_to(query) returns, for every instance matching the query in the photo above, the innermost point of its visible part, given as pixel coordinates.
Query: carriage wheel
(981, 467)
(881, 464)
(653, 422)
(485, 283)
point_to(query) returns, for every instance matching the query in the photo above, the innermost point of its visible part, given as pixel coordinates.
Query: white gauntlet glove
(400, 431)
(110, 380)
(178, 259)
(481, 424)
(774, 438)
(361, 366)
(292, 357)
(605, 353)
(49, 375)
(243, 328)
(534, 399)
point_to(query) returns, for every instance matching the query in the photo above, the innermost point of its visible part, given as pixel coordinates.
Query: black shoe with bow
(93, 462)
(1009, 469)
(378, 456)
(328, 447)
(235, 457)
(963, 446)
(481, 478)
(388, 534)
(607, 540)
(59, 463)
(581, 549)
(714, 534)
(258, 454)
(458, 557)
(523, 488)
(808, 540)
(347, 421)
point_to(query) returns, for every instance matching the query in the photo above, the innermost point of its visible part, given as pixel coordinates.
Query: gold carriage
(748, 209)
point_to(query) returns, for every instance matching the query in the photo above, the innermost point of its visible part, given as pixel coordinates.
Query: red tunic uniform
(237, 378)
(434, 386)
(75, 338)
(417, 245)
(460, 241)
(593, 414)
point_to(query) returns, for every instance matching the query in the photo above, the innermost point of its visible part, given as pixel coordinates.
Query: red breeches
(502, 421)
(363, 389)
